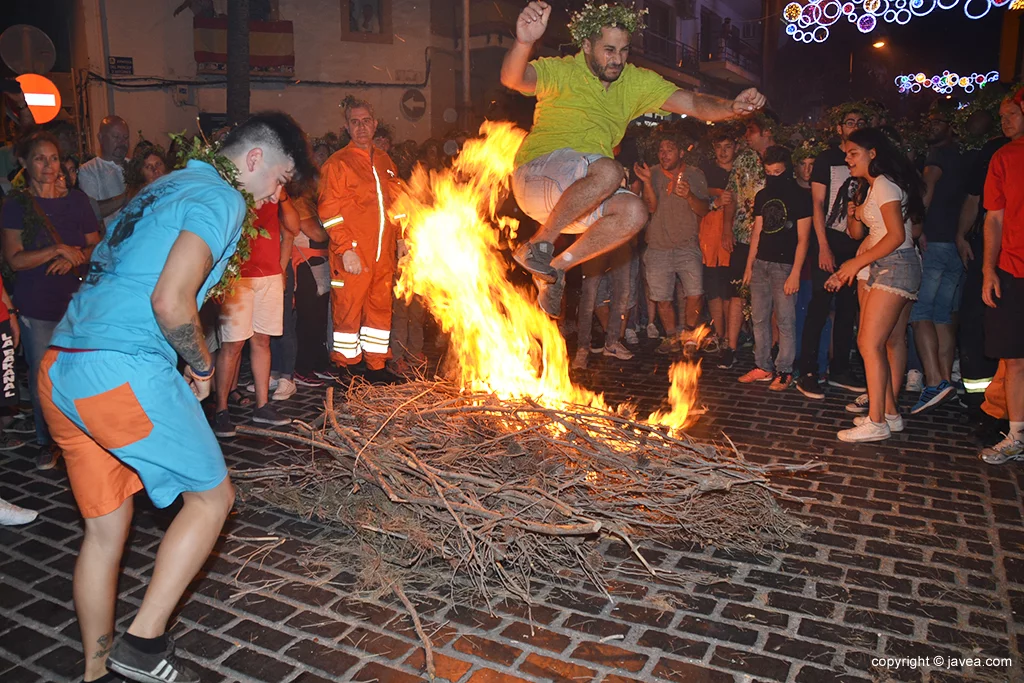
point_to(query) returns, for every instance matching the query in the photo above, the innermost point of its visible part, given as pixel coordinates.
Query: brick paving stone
(258, 666)
(684, 672)
(448, 668)
(492, 676)
(610, 656)
(673, 645)
(319, 656)
(536, 636)
(375, 671)
(750, 663)
(376, 643)
(559, 670)
(490, 650)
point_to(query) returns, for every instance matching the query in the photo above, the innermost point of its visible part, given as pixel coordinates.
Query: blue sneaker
(934, 396)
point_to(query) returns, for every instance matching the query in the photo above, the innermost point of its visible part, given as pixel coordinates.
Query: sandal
(237, 398)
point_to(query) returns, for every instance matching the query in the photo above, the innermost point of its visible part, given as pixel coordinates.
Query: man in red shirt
(253, 312)
(1003, 285)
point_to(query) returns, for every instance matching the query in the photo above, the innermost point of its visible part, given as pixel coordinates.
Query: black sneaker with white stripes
(136, 665)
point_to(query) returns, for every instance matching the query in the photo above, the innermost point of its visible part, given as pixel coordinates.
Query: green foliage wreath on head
(589, 21)
(837, 113)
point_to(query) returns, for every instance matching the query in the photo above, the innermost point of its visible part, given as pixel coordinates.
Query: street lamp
(878, 44)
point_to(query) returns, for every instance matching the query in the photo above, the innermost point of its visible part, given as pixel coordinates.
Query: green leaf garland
(200, 150)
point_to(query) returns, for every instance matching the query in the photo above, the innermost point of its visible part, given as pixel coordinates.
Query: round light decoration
(810, 21)
(944, 84)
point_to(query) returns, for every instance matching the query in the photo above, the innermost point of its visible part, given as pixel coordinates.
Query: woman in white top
(894, 274)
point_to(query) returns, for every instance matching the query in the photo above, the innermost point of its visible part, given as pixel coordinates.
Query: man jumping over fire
(565, 176)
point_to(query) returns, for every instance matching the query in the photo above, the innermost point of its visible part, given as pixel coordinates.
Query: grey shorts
(539, 184)
(663, 266)
(899, 273)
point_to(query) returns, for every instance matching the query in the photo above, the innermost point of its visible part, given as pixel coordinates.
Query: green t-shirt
(575, 110)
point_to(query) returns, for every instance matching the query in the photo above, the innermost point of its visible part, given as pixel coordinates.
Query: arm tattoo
(190, 343)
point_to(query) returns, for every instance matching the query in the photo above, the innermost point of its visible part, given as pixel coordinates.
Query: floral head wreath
(837, 113)
(808, 149)
(589, 21)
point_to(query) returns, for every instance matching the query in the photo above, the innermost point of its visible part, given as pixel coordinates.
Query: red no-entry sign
(41, 96)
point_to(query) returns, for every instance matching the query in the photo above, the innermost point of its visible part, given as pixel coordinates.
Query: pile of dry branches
(503, 491)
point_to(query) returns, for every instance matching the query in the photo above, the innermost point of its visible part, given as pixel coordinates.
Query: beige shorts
(255, 306)
(539, 184)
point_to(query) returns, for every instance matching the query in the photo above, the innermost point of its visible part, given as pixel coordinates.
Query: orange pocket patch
(115, 418)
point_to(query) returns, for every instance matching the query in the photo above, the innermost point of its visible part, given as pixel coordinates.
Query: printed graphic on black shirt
(775, 217)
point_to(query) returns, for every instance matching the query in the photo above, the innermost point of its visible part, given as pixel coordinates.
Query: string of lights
(944, 84)
(810, 22)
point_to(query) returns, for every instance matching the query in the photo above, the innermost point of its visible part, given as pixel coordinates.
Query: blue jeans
(35, 339)
(284, 349)
(766, 295)
(617, 263)
(942, 279)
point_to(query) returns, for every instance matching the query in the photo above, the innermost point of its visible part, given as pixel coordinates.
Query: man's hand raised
(532, 22)
(748, 101)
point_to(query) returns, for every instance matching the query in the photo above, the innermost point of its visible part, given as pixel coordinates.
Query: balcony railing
(733, 50)
(670, 52)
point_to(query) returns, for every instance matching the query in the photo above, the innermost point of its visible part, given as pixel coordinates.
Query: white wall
(162, 46)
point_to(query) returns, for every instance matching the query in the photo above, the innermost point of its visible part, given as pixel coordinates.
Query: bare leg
(1015, 389)
(946, 335)
(735, 321)
(652, 310)
(693, 306)
(625, 215)
(883, 310)
(667, 313)
(896, 350)
(259, 358)
(602, 312)
(95, 584)
(927, 339)
(604, 176)
(184, 550)
(715, 306)
(228, 359)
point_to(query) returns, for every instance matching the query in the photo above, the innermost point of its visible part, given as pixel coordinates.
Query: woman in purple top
(48, 236)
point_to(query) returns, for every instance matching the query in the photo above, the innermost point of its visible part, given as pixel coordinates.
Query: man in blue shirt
(125, 418)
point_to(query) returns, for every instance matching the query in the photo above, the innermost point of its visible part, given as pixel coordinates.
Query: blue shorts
(127, 422)
(899, 273)
(942, 283)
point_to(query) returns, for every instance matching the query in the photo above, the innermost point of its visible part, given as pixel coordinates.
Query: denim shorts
(942, 281)
(665, 265)
(539, 184)
(899, 273)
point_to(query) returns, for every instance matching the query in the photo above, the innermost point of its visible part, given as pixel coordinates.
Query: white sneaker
(579, 361)
(895, 422)
(11, 514)
(859, 406)
(631, 337)
(869, 431)
(1006, 450)
(285, 390)
(652, 331)
(618, 350)
(273, 385)
(915, 382)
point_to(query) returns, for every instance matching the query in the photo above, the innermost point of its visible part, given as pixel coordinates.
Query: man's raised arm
(711, 108)
(516, 71)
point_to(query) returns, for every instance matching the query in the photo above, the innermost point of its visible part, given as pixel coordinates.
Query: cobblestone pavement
(915, 549)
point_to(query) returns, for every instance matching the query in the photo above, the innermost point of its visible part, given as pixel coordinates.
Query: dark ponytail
(890, 162)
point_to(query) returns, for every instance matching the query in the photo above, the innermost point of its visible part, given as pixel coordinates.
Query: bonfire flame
(500, 341)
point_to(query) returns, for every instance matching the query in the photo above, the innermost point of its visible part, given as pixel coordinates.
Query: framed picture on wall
(366, 21)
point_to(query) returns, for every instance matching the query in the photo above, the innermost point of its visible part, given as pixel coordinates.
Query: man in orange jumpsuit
(357, 185)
